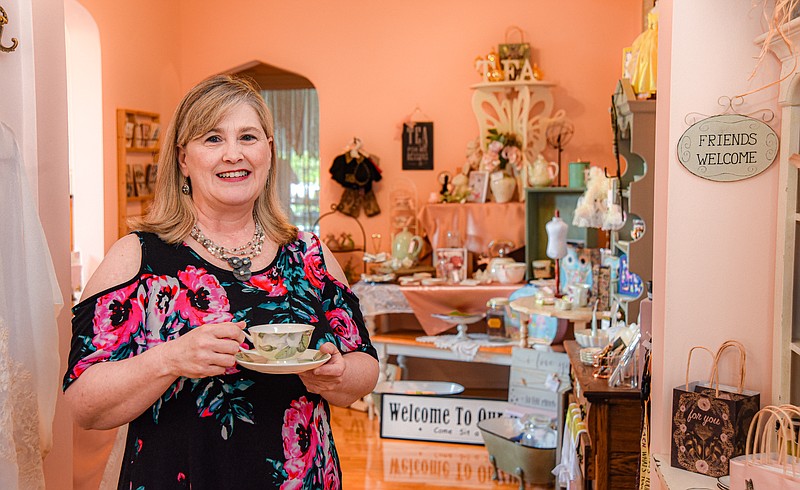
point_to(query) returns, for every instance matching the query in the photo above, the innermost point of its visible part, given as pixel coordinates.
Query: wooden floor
(371, 463)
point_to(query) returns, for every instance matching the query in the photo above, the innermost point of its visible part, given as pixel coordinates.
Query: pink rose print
(118, 315)
(701, 466)
(270, 281)
(163, 294)
(312, 264)
(344, 327)
(204, 300)
(331, 475)
(704, 404)
(300, 439)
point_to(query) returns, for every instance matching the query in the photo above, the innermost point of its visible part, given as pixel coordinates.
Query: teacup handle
(250, 338)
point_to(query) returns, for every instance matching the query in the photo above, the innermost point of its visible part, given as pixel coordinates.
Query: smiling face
(228, 165)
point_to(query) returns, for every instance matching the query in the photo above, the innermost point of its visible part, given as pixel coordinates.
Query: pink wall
(372, 64)
(715, 250)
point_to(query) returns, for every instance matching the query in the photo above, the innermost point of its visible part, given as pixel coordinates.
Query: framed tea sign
(418, 146)
(728, 147)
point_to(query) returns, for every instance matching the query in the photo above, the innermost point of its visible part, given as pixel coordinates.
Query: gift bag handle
(515, 30)
(742, 365)
(779, 417)
(689, 362)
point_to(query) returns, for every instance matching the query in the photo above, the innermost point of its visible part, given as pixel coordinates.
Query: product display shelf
(540, 206)
(636, 120)
(137, 158)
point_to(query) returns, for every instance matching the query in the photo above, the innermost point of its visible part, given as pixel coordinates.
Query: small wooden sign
(436, 418)
(418, 146)
(728, 148)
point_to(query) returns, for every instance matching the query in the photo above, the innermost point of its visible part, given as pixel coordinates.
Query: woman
(160, 322)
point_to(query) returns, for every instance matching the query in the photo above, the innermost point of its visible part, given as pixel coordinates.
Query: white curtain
(29, 302)
(296, 114)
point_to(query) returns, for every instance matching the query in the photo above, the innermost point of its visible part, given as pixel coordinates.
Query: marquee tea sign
(727, 148)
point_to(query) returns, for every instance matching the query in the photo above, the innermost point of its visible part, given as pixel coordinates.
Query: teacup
(280, 341)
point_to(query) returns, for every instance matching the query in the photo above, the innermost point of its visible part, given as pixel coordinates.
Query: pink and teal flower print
(204, 300)
(300, 439)
(224, 401)
(313, 266)
(160, 297)
(345, 328)
(118, 316)
(270, 281)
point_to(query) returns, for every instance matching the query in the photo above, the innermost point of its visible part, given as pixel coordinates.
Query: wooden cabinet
(636, 121)
(614, 417)
(137, 157)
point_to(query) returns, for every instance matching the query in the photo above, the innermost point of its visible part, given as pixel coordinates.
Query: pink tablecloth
(427, 300)
(477, 224)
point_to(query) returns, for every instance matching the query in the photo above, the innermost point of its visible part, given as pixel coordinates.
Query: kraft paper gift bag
(771, 459)
(709, 420)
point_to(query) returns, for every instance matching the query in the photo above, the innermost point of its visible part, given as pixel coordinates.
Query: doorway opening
(293, 101)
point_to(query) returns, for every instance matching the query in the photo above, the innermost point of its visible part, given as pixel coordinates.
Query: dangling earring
(185, 187)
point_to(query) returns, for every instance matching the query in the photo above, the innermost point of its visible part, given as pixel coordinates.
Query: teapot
(498, 251)
(541, 173)
(406, 245)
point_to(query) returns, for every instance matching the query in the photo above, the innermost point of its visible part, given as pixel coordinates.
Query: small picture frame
(451, 264)
(627, 54)
(139, 179)
(130, 189)
(150, 177)
(478, 186)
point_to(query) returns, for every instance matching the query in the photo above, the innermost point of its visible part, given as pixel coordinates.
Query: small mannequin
(556, 245)
(556, 237)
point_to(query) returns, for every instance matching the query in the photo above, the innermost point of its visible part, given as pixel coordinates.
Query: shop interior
(517, 193)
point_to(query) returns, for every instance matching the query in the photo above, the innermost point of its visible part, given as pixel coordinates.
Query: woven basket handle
(742, 364)
(515, 30)
(689, 362)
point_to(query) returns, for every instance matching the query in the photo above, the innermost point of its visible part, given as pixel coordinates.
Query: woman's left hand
(328, 377)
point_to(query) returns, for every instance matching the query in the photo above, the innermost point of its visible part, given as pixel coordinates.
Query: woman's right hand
(207, 350)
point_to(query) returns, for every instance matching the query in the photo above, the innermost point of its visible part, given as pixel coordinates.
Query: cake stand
(460, 320)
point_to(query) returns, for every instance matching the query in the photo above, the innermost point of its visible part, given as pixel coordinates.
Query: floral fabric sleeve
(106, 327)
(340, 305)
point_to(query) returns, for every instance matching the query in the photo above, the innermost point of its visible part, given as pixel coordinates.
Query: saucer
(304, 362)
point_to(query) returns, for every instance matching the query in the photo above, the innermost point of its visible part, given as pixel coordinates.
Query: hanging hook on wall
(3, 22)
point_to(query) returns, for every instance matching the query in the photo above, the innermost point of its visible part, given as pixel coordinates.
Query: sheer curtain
(296, 114)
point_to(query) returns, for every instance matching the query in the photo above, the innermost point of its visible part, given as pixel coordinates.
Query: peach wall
(715, 250)
(372, 64)
(139, 52)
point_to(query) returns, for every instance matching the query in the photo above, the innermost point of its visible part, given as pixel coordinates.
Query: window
(296, 114)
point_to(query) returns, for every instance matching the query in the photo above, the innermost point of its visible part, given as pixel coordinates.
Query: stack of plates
(588, 354)
(724, 482)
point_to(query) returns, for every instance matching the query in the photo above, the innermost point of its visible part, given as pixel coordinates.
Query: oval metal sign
(727, 148)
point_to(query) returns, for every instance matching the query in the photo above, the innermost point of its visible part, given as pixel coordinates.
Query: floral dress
(244, 429)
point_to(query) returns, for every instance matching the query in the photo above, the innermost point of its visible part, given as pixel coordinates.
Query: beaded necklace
(238, 258)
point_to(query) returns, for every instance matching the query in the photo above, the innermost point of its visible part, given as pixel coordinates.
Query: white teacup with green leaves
(280, 341)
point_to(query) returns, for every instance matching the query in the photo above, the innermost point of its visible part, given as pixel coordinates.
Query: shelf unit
(636, 120)
(540, 206)
(137, 156)
(786, 327)
(522, 108)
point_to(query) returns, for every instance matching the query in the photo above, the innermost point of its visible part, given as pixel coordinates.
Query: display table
(614, 418)
(428, 300)
(404, 344)
(423, 301)
(477, 224)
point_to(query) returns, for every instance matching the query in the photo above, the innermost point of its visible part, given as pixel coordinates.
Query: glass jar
(496, 318)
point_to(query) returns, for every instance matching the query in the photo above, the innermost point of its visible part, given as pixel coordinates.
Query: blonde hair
(171, 215)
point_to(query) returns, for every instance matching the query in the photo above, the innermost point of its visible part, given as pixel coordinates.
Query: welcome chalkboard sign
(418, 146)
(728, 147)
